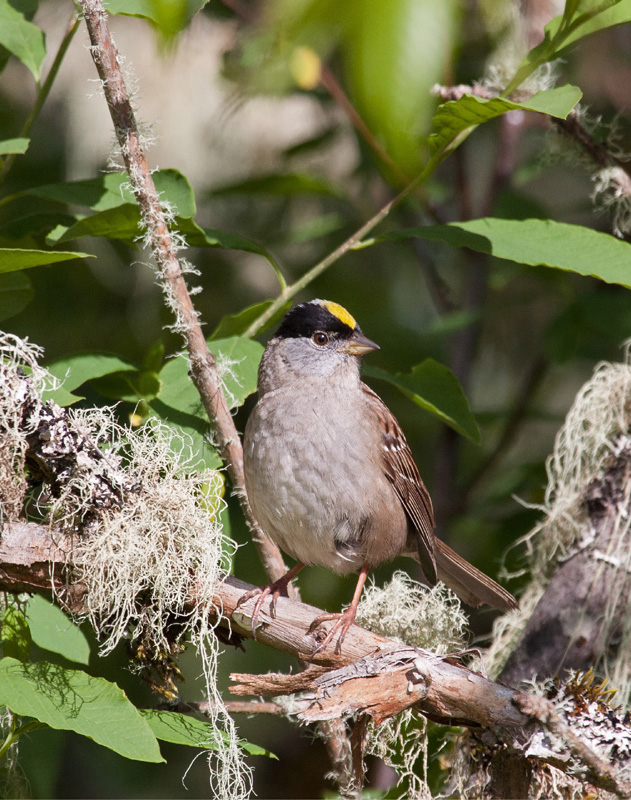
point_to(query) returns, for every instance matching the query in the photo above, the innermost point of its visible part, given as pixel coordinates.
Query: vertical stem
(203, 364)
(43, 90)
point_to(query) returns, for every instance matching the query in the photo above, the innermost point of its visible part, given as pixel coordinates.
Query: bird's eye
(320, 338)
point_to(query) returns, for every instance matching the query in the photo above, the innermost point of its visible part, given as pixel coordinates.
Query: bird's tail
(470, 584)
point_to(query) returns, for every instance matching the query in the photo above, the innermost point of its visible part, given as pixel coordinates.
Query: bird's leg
(276, 588)
(344, 620)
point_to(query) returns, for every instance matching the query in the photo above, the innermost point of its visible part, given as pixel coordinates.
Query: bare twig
(203, 365)
(232, 706)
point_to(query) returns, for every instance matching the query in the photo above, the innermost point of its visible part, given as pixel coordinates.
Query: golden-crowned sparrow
(328, 472)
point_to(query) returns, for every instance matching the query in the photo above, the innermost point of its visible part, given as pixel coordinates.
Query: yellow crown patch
(340, 312)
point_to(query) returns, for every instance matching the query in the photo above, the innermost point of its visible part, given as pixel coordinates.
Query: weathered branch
(34, 559)
(203, 364)
(581, 588)
(599, 772)
(372, 676)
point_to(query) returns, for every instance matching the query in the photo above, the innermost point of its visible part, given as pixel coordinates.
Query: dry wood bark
(372, 676)
(568, 628)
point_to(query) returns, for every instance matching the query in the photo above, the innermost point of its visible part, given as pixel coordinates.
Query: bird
(329, 475)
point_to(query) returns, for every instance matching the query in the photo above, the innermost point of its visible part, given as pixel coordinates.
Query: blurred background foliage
(295, 121)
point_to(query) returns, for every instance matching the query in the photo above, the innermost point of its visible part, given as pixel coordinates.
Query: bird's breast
(311, 490)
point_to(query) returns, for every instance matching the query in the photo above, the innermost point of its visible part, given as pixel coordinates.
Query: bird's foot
(342, 624)
(276, 589)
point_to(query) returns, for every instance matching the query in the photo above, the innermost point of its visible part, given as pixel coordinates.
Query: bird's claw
(275, 589)
(343, 622)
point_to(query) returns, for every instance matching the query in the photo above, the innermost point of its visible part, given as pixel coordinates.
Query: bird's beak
(359, 345)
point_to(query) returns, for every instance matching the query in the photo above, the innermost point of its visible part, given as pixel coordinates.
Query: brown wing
(402, 472)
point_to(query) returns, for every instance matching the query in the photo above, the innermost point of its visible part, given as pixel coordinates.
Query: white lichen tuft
(410, 612)
(596, 428)
(587, 708)
(148, 542)
(401, 743)
(22, 382)
(499, 72)
(151, 567)
(612, 193)
(428, 618)
(164, 544)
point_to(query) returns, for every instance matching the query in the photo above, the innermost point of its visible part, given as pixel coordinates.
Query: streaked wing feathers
(402, 472)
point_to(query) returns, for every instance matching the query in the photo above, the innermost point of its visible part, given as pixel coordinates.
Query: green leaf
(238, 361)
(170, 16)
(52, 630)
(22, 38)
(595, 16)
(114, 189)
(435, 388)
(19, 231)
(282, 185)
(13, 259)
(195, 430)
(537, 242)
(129, 385)
(178, 402)
(77, 369)
(237, 324)
(122, 222)
(197, 236)
(69, 699)
(153, 360)
(590, 16)
(237, 358)
(170, 726)
(456, 116)
(16, 292)
(175, 189)
(15, 636)
(394, 52)
(14, 146)
(99, 194)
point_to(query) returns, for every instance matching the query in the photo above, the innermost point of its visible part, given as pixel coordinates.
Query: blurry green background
(233, 98)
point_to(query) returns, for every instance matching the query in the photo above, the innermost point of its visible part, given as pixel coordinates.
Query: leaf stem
(43, 90)
(354, 241)
(15, 734)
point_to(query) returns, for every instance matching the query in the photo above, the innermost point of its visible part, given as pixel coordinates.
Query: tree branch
(372, 675)
(591, 586)
(203, 364)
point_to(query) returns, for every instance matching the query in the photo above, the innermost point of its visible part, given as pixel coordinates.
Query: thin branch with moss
(164, 245)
